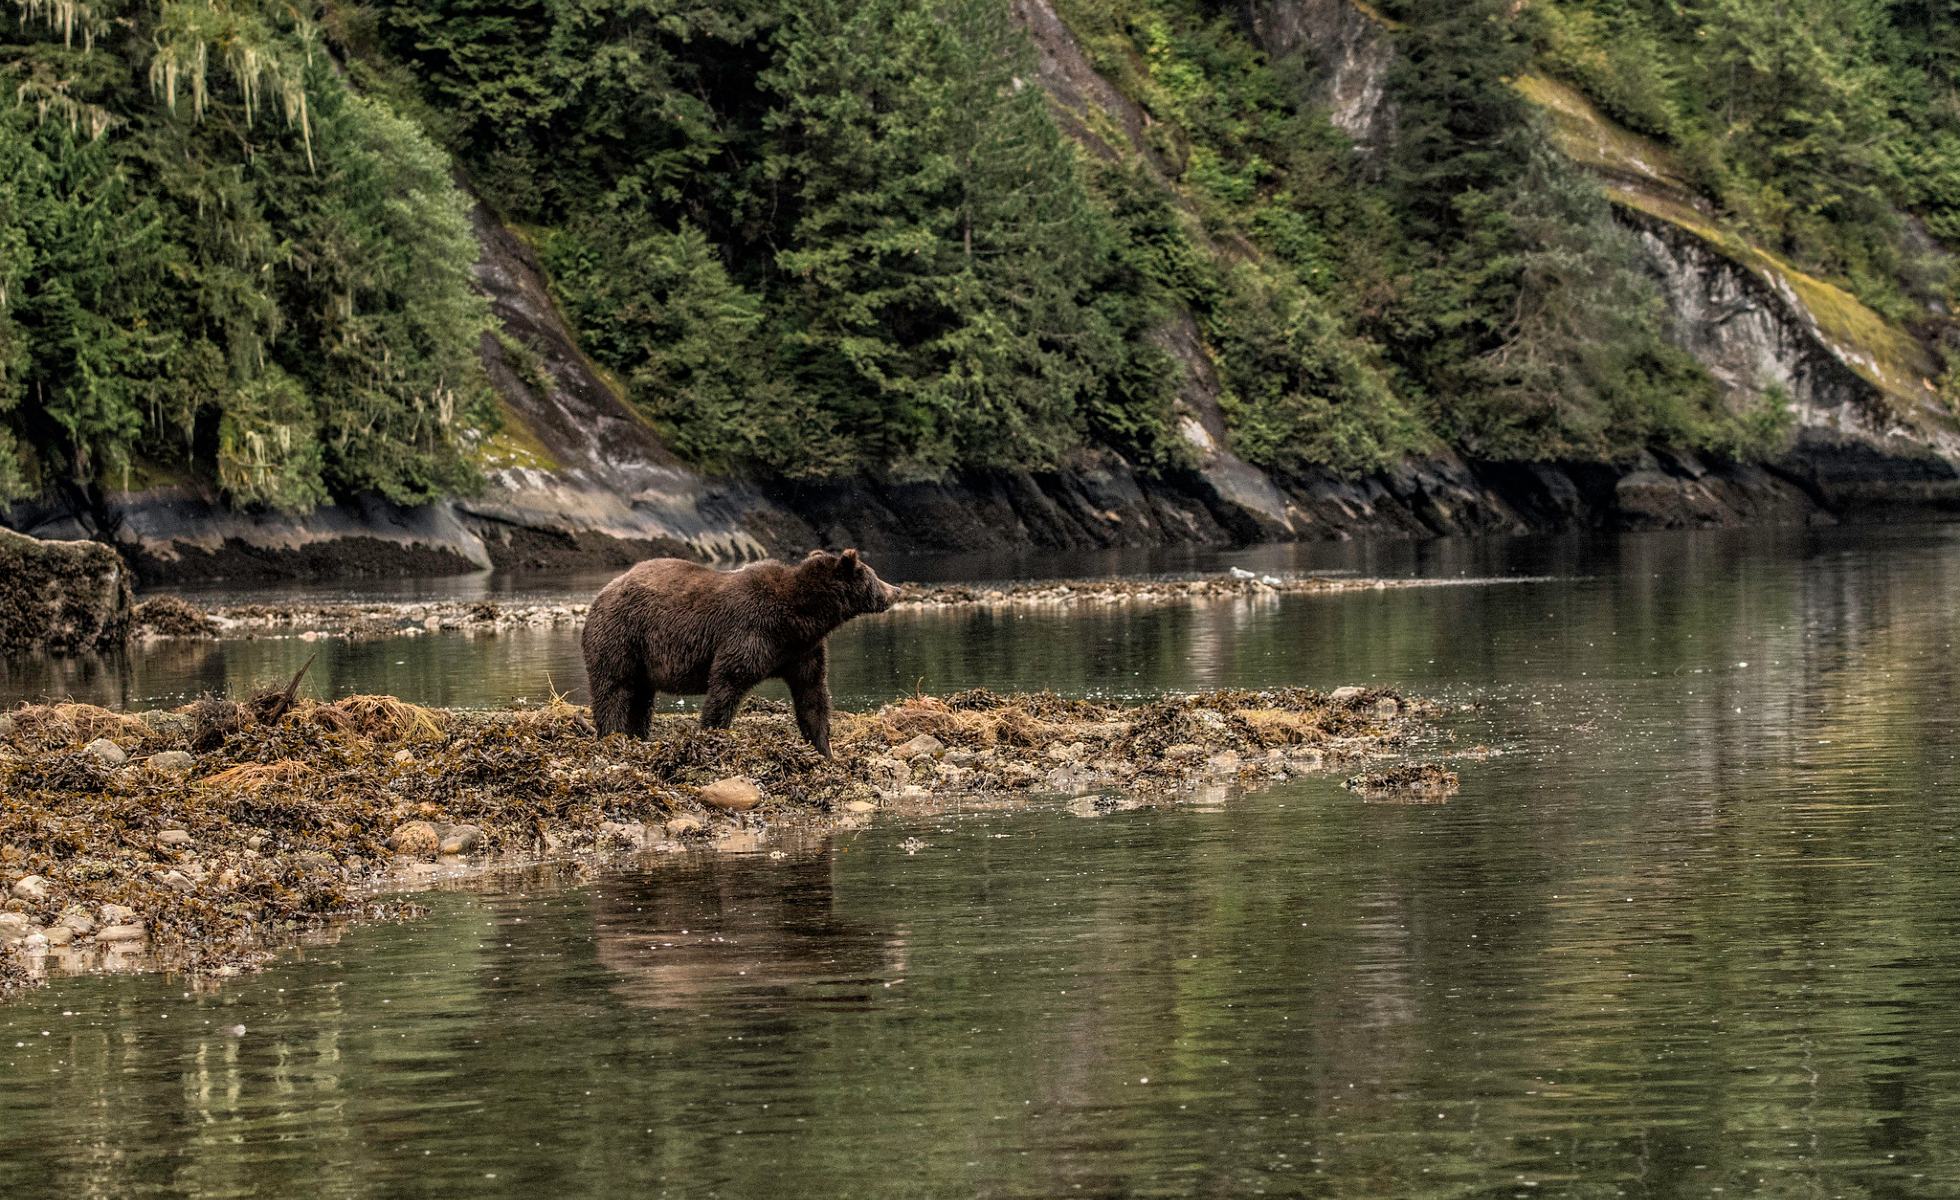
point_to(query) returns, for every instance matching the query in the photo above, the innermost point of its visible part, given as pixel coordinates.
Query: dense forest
(823, 239)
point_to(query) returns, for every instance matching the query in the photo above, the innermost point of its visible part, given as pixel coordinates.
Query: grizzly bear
(669, 625)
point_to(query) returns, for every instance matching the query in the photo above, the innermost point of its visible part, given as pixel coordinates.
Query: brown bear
(669, 625)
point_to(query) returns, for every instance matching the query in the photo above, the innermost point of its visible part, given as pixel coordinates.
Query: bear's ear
(847, 562)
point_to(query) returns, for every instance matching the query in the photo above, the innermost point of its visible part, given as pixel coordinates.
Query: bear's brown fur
(669, 625)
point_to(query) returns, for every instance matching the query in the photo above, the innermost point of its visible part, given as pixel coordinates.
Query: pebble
(924, 743)
(32, 888)
(13, 927)
(59, 935)
(172, 762)
(177, 881)
(461, 839)
(122, 933)
(737, 793)
(255, 843)
(1340, 694)
(860, 806)
(106, 752)
(404, 757)
(35, 943)
(175, 839)
(117, 914)
(684, 824)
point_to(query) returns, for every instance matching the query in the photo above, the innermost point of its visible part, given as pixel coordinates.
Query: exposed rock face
(61, 596)
(1347, 53)
(1855, 445)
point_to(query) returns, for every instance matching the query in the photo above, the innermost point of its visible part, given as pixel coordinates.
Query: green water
(1694, 932)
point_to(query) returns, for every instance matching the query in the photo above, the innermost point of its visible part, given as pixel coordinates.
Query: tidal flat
(202, 838)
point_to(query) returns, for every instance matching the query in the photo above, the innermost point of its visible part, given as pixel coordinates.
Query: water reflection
(1696, 931)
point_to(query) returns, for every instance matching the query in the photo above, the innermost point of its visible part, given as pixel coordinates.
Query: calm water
(1695, 933)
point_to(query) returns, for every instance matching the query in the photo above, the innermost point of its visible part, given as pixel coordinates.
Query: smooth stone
(860, 806)
(684, 824)
(122, 933)
(177, 880)
(924, 743)
(32, 888)
(461, 839)
(1341, 694)
(1183, 750)
(13, 926)
(404, 757)
(106, 752)
(737, 793)
(35, 943)
(76, 918)
(175, 839)
(59, 935)
(172, 762)
(117, 914)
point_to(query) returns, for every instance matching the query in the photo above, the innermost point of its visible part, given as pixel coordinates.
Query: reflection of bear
(668, 625)
(741, 926)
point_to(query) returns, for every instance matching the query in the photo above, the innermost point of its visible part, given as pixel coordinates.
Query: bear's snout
(887, 595)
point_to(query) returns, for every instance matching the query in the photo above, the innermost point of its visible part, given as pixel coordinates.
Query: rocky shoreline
(169, 616)
(203, 838)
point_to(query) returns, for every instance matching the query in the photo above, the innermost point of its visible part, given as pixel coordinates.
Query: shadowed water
(1695, 932)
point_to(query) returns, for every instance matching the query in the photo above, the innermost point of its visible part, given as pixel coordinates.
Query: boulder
(106, 752)
(737, 793)
(461, 839)
(415, 839)
(925, 744)
(65, 597)
(172, 762)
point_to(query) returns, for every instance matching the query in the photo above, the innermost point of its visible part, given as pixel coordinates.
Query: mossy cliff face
(61, 596)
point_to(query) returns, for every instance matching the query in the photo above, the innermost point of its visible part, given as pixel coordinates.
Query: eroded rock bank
(203, 837)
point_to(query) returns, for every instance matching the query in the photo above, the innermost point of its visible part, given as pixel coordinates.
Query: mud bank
(205, 837)
(176, 618)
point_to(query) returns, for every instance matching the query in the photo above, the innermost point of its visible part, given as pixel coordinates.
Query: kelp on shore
(202, 837)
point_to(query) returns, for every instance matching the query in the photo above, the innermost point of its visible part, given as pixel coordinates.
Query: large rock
(61, 596)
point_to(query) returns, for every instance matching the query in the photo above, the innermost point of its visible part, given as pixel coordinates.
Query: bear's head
(851, 580)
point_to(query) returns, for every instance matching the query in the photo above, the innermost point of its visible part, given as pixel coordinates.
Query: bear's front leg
(809, 688)
(726, 687)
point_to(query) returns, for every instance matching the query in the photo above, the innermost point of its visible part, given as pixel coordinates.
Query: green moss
(515, 445)
(1590, 139)
(1644, 176)
(1882, 354)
